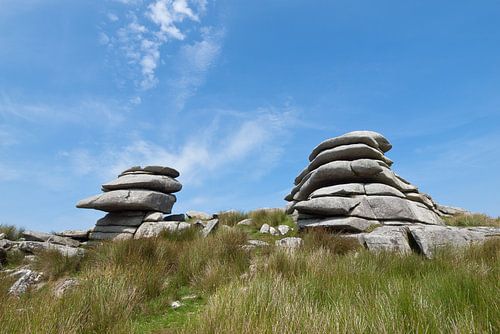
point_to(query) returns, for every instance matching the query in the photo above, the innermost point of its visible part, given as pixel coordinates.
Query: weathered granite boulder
(210, 227)
(431, 238)
(124, 218)
(52, 238)
(101, 236)
(158, 170)
(160, 183)
(27, 278)
(289, 242)
(35, 247)
(388, 238)
(199, 215)
(80, 235)
(370, 138)
(129, 200)
(153, 229)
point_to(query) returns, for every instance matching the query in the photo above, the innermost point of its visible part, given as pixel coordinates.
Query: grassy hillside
(328, 286)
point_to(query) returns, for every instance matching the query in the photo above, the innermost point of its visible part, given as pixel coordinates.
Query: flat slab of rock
(114, 229)
(126, 218)
(341, 172)
(160, 183)
(430, 238)
(346, 189)
(159, 170)
(340, 224)
(450, 210)
(35, 247)
(80, 235)
(388, 238)
(48, 237)
(102, 236)
(370, 138)
(344, 152)
(154, 229)
(129, 200)
(153, 217)
(210, 226)
(199, 215)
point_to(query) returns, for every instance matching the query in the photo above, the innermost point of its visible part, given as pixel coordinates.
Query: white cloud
(152, 25)
(257, 142)
(194, 60)
(113, 17)
(95, 110)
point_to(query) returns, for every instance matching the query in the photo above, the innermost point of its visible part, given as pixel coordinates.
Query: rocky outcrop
(138, 196)
(349, 186)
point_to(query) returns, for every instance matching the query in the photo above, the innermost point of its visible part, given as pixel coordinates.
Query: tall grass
(327, 286)
(119, 278)
(273, 217)
(470, 220)
(231, 218)
(315, 292)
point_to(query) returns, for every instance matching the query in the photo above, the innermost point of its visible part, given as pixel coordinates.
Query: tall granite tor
(349, 186)
(138, 195)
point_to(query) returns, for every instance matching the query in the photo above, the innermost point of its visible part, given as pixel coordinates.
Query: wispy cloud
(194, 61)
(84, 110)
(257, 142)
(149, 25)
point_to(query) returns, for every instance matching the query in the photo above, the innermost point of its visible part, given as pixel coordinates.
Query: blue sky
(235, 94)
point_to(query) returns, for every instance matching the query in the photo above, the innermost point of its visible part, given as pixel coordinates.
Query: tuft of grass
(12, 232)
(231, 218)
(14, 258)
(336, 244)
(273, 217)
(470, 220)
(55, 265)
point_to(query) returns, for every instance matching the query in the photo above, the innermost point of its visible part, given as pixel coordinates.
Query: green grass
(318, 292)
(328, 286)
(470, 220)
(231, 218)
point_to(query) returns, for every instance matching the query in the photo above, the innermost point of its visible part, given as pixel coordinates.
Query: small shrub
(231, 218)
(472, 220)
(324, 239)
(12, 232)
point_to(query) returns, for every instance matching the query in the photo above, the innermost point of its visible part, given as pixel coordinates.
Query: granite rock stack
(138, 195)
(348, 186)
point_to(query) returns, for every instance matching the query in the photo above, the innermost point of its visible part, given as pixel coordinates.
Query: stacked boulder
(139, 195)
(349, 186)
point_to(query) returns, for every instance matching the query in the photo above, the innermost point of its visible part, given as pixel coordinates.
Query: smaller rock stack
(138, 195)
